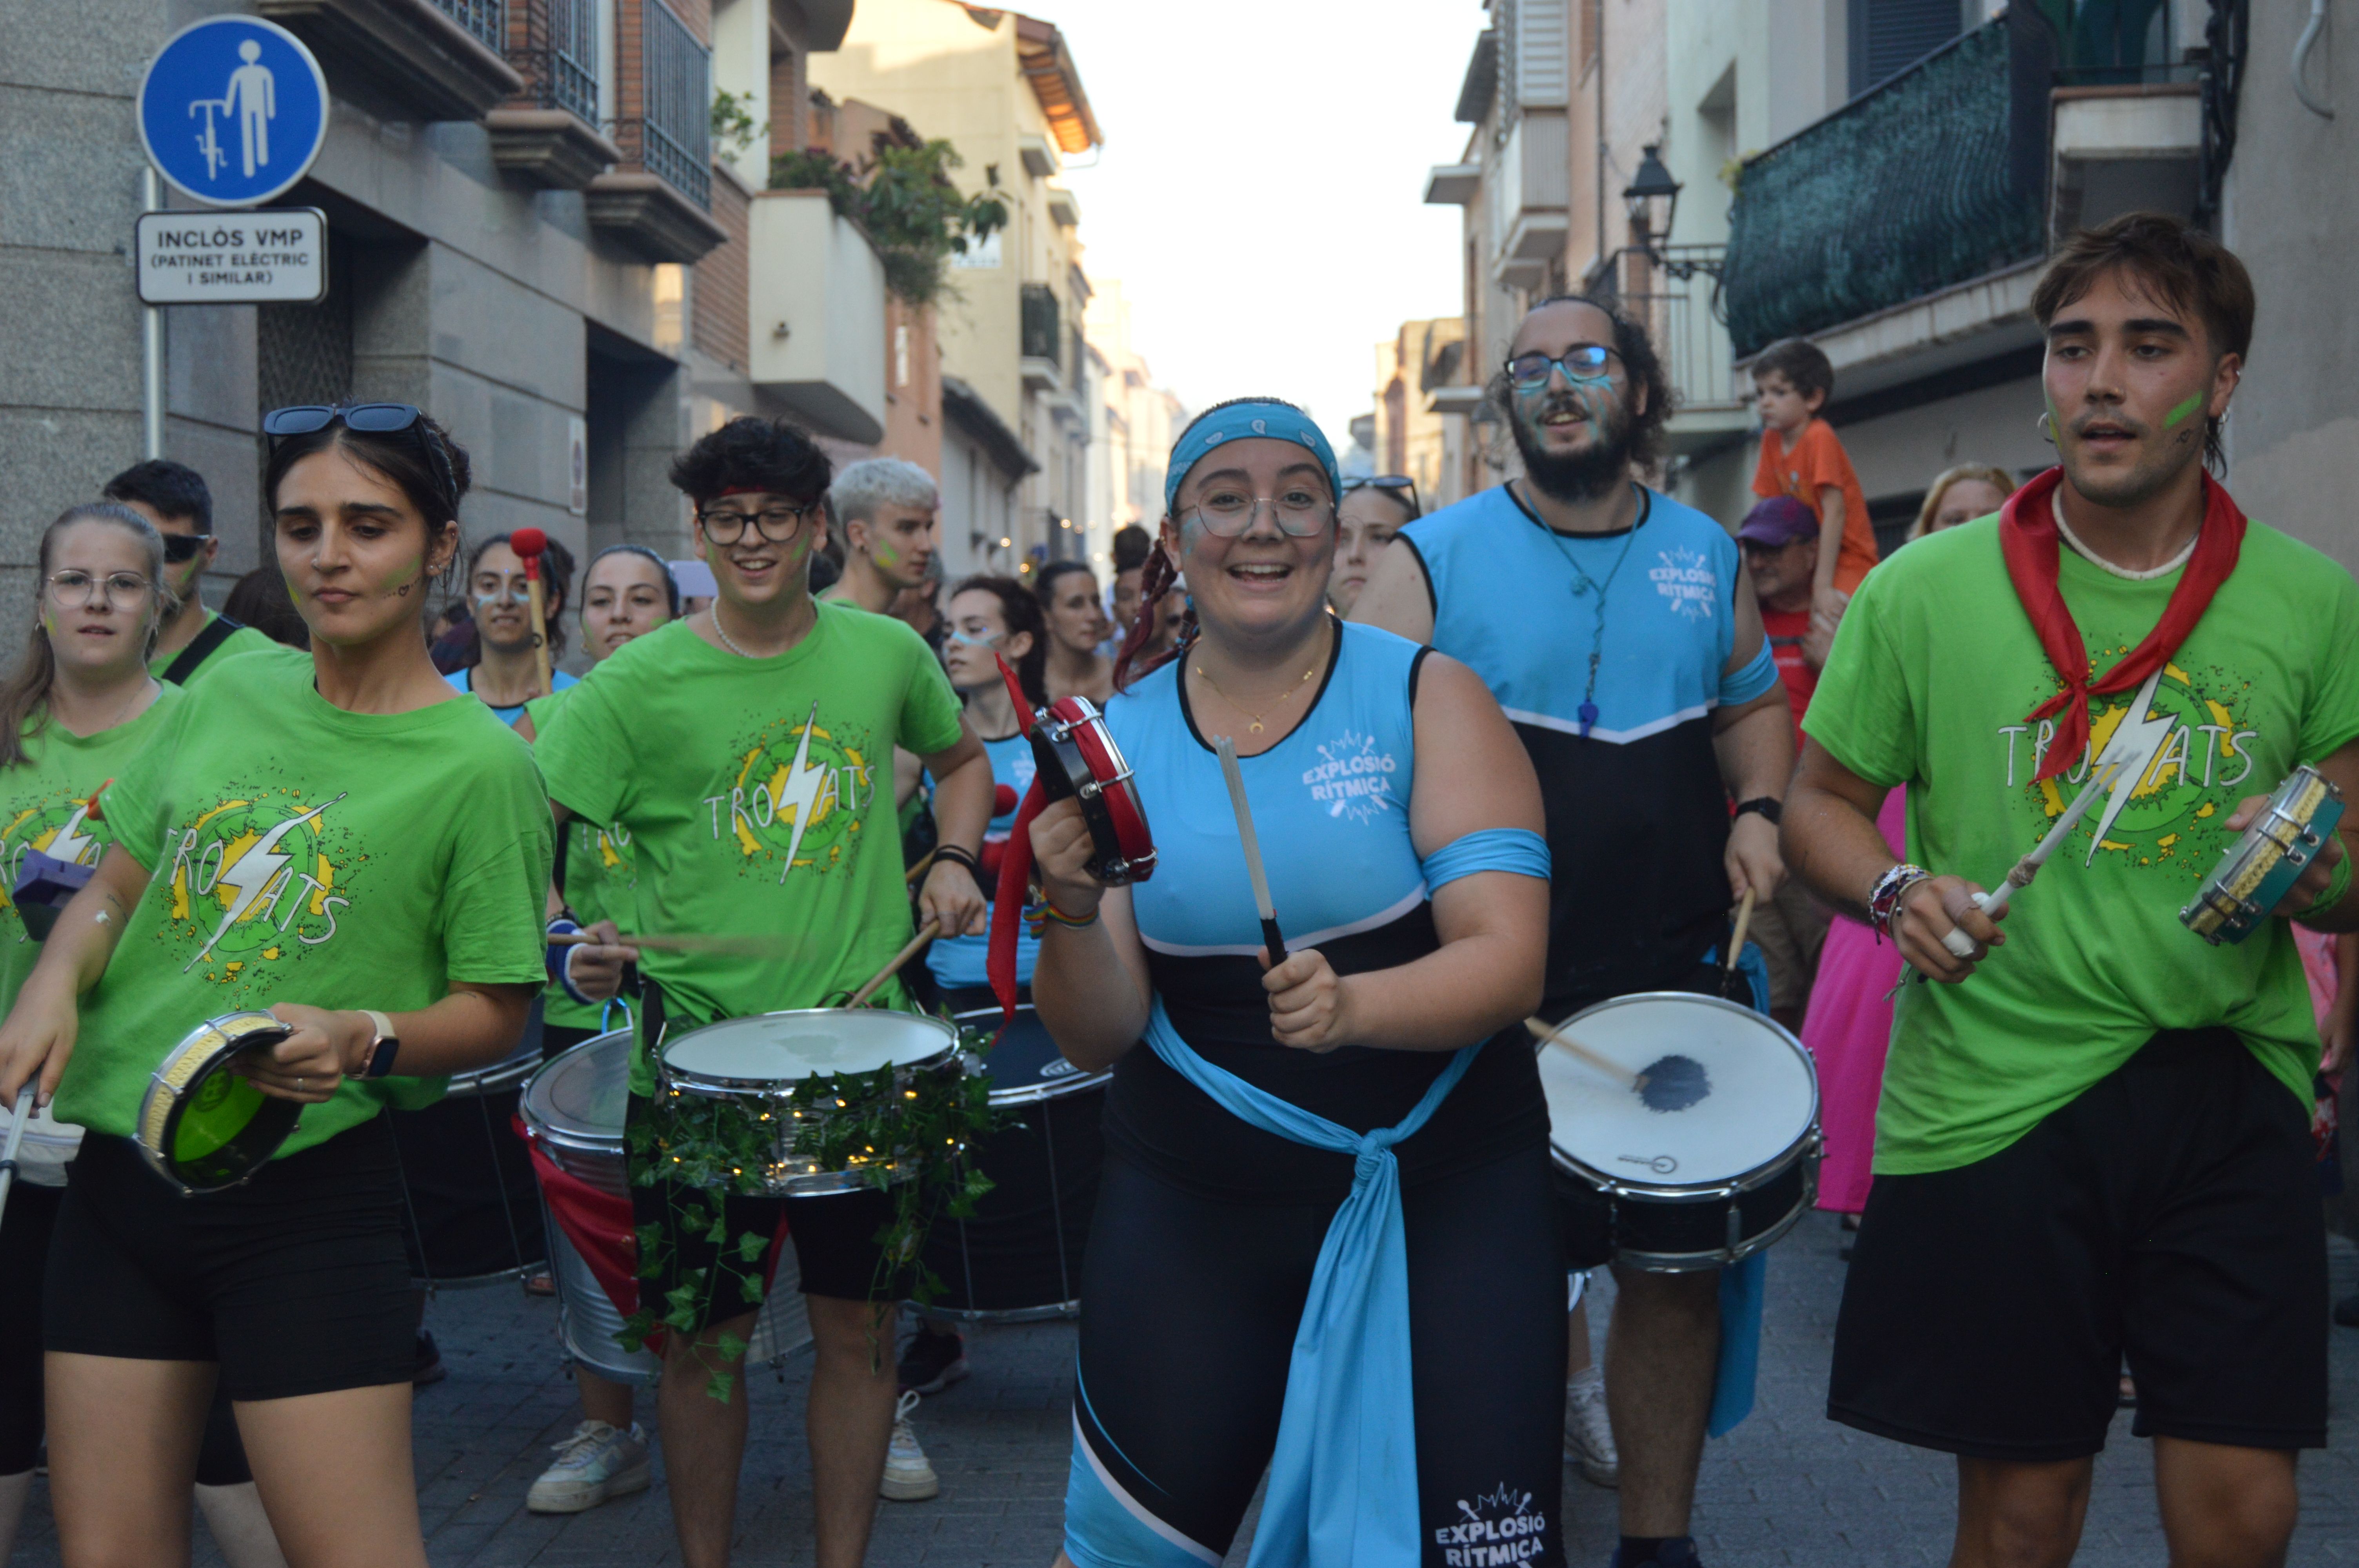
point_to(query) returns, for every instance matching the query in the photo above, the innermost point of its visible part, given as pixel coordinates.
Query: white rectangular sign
(232, 258)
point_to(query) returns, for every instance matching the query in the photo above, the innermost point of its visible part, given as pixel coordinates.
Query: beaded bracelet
(1883, 900)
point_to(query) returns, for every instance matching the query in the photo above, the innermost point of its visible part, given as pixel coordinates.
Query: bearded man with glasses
(746, 750)
(1619, 632)
(175, 498)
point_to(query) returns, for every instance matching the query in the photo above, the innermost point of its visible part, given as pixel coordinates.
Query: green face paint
(2194, 402)
(884, 554)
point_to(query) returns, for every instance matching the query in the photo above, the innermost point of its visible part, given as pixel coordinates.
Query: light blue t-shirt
(463, 680)
(958, 961)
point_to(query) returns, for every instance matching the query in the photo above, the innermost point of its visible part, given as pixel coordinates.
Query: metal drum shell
(791, 1176)
(1656, 1226)
(591, 1155)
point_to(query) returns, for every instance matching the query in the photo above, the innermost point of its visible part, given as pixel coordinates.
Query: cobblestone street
(1787, 1486)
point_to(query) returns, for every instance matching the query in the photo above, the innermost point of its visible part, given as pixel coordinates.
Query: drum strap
(1343, 1482)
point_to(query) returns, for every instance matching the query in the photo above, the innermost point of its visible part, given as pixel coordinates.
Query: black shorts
(1192, 1308)
(836, 1249)
(296, 1282)
(2169, 1214)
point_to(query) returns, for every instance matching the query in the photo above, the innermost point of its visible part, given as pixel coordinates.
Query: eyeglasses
(1582, 361)
(1302, 514)
(776, 524)
(78, 590)
(1392, 484)
(180, 548)
(369, 419)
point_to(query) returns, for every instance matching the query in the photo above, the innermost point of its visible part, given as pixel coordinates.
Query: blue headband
(1249, 419)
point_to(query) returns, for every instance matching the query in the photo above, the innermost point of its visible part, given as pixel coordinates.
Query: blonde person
(886, 511)
(77, 709)
(1960, 494)
(1077, 624)
(343, 841)
(628, 592)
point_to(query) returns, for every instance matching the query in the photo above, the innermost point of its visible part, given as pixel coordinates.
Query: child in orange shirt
(1801, 456)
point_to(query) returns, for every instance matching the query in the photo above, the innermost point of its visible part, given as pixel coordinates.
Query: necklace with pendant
(1257, 726)
(1584, 585)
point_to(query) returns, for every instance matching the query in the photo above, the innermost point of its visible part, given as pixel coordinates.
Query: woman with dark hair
(1374, 510)
(260, 601)
(1316, 1149)
(342, 841)
(1068, 591)
(505, 673)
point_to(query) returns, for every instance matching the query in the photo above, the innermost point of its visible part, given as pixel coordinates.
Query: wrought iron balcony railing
(485, 19)
(672, 136)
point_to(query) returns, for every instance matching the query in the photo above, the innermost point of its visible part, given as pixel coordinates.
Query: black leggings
(25, 1230)
(1191, 1306)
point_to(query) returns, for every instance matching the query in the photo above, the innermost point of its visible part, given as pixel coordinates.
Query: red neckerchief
(2027, 534)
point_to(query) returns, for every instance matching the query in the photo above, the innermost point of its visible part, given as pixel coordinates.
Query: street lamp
(1652, 183)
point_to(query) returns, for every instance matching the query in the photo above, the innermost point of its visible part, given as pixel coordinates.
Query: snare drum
(473, 1210)
(1019, 1257)
(757, 1061)
(573, 1108)
(1724, 1160)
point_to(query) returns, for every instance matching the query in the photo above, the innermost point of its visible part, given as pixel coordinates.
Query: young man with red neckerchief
(2093, 1140)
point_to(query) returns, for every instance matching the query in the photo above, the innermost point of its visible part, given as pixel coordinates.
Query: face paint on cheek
(884, 554)
(2171, 419)
(1191, 533)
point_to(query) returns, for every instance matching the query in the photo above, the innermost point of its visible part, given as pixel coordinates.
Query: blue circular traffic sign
(232, 110)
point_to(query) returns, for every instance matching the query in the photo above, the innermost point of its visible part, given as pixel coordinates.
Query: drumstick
(1250, 842)
(2021, 873)
(528, 544)
(926, 932)
(1744, 919)
(17, 1120)
(914, 872)
(747, 945)
(1546, 1035)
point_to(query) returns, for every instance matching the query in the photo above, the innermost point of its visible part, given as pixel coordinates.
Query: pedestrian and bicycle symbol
(232, 110)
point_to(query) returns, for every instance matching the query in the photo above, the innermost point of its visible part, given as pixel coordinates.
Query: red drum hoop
(1078, 759)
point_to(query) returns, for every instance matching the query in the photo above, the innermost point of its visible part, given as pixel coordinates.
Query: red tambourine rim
(1106, 763)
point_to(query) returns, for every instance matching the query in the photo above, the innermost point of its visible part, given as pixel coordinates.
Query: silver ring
(299, 1084)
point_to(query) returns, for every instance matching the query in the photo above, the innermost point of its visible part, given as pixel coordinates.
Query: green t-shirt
(302, 854)
(44, 805)
(598, 878)
(758, 798)
(1931, 676)
(245, 640)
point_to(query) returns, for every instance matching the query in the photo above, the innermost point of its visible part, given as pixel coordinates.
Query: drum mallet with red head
(530, 545)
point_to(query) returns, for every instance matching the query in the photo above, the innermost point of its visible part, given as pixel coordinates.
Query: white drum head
(1731, 1091)
(787, 1047)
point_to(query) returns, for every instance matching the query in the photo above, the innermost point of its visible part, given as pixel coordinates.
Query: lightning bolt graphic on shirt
(2135, 743)
(70, 844)
(800, 790)
(252, 876)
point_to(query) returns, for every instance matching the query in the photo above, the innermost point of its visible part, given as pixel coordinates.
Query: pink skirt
(1847, 1028)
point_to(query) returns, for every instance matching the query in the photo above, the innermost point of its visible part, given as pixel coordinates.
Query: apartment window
(481, 19)
(676, 99)
(1888, 36)
(1040, 313)
(572, 84)
(901, 354)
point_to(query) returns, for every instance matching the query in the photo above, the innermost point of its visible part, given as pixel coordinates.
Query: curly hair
(753, 454)
(1639, 362)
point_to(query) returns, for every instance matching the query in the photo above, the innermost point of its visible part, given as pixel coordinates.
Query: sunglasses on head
(1392, 484)
(180, 548)
(368, 418)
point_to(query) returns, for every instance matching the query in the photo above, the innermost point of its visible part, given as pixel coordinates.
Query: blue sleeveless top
(958, 961)
(1330, 806)
(1637, 816)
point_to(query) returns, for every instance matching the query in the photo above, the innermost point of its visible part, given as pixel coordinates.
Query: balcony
(1924, 184)
(1042, 340)
(1453, 184)
(1530, 195)
(1064, 208)
(548, 135)
(1707, 407)
(658, 202)
(433, 59)
(2123, 148)
(816, 315)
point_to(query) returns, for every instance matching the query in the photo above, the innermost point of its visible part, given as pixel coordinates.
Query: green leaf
(720, 1385)
(751, 1245)
(731, 1347)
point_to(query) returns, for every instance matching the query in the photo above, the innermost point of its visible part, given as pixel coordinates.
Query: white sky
(1259, 191)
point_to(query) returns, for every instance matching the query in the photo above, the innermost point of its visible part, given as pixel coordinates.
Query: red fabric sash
(2028, 536)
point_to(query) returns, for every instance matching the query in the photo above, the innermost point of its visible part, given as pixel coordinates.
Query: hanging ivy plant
(906, 1134)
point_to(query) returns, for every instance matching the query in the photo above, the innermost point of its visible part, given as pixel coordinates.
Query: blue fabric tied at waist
(1342, 1483)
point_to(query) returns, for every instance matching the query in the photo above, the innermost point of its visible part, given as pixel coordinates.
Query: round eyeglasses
(1302, 513)
(78, 590)
(777, 523)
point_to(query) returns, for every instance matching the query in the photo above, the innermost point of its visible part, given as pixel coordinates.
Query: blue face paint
(966, 640)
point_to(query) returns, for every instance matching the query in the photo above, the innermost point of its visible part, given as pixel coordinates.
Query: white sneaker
(1588, 1435)
(596, 1463)
(908, 1478)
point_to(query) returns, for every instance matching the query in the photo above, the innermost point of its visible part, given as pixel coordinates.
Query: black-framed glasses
(370, 418)
(1392, 484)
(777, 522)
(75, 589)
(1582, 361)
(182, 547)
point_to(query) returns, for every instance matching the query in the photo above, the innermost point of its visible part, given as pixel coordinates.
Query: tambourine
(203, 1126)
(2260, 867)
(1078, 759)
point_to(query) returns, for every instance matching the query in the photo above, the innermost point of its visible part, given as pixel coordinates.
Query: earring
(2046, 427)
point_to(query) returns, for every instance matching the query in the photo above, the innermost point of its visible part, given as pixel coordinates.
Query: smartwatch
(382, 1049)
(1762, 804)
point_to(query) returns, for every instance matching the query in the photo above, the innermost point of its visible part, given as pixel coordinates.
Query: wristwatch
(383, 1048)
(1762, 804)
